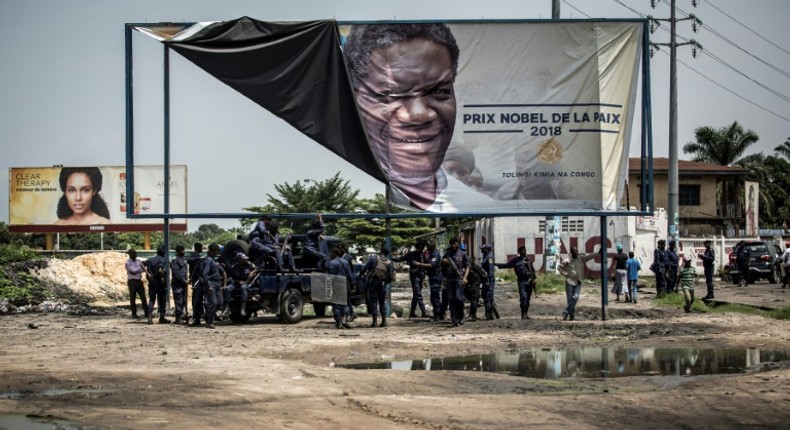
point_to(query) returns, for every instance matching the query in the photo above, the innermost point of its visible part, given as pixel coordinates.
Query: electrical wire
(748, 28)
(576, 9)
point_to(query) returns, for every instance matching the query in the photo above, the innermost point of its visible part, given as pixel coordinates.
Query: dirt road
(113, 372)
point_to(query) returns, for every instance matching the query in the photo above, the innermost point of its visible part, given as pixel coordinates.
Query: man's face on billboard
(407, 102)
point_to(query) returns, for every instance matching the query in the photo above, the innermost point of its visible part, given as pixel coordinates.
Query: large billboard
(90, 199)
(498, 117)
(459, 117)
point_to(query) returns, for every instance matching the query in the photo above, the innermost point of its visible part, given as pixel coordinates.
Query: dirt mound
(97, 278)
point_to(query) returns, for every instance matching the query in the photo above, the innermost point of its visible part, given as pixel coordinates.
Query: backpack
(381, 271)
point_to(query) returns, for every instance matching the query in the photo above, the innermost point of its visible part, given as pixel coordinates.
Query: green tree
(333, 195)
(724, 146)
(362, 232)
(783, 150)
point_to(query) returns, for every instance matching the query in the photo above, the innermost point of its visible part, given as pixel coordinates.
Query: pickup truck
(282, 294)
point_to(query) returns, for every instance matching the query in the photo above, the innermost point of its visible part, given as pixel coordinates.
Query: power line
(714, 57)
(576, 9)
(746, 27)
(724, 38)
(708, 78)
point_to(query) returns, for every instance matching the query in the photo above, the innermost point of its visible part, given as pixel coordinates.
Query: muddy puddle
(35, 422)
(598, 362)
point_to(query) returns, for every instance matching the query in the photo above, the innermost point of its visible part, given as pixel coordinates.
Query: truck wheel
(736, 279)
(292, 306)
(319, 309)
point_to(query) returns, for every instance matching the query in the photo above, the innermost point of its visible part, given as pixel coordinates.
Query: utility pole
(673, 187)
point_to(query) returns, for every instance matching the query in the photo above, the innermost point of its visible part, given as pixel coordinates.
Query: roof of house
(661, 166)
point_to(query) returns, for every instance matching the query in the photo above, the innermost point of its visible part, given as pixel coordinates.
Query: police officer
(209, 282)
(155, 271)
(241, 274)
(312, 241)
(432, 264)
(489, 267)
(194, 261)
(379, 271)
(179, 270)
(416, 277)
(660, 267)
(455, 268)
(674, 261)
(708, 259)
(338, 266)
(348, 262)
(521, 267)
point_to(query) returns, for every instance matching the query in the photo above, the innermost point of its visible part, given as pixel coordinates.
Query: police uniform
(489, 267)
(194, 261)
(210, 281)
(178, 282)
(453, 275)
(156, 285)
(416, 277)
(377, 289)
(239, 274)
(521, 267)
(434, 259)
(338, 266)
(312, 244)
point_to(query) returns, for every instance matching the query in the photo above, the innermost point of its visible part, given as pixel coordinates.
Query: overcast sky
(62, 86)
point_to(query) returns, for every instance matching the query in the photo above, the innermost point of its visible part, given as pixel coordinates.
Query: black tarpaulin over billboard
(294, 70)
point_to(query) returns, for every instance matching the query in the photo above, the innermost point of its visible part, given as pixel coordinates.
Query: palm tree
(784, 149)
(724, 146)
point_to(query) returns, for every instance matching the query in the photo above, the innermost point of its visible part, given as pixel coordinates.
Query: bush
(13, 254)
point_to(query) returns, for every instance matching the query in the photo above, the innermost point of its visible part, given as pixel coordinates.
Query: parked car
(763, 264)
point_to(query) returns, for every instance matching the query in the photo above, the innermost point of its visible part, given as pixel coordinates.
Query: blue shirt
(633, 267)
(210, 273)
(520, 267)
(488, 264)
(708, 258)
(313, 236)
(460, 260)
(179, 269)
(153, 265)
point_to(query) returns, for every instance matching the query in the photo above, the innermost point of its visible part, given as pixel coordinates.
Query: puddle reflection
(596, 362)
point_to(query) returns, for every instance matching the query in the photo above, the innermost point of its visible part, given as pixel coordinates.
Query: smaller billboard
(90, 199)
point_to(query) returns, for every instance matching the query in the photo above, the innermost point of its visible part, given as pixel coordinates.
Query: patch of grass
(677, 301)
(20, 288)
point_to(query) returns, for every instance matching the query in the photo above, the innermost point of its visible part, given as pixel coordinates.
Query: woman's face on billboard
(79, 193)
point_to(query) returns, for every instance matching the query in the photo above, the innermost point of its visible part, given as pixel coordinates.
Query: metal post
(388, 245)
(129, 123)
(555, 9)
(166, 188)
(604, 271)
(672, 215)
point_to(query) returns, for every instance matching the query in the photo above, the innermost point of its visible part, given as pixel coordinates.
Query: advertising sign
(498, 117)
(84, 199)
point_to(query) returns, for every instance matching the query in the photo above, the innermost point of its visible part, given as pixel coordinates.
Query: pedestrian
(524, 276)
(620, 274)
(455, 268)
(573, 270)
(339, 267)
(672, 271)
(157, 285)
(633, 267)
(742, 257)
(431, 262)
(241, 275)
(348, 262)
(686, 279)
(708, 258)
(134, 280)
(179, 277)
(659, 268)
(785, 265)
(194, 261)
(210, 280)
(489, 266)
(313, 239)
(379, 272)
(416, 277)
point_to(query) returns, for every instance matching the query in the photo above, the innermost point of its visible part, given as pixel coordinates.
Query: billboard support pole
(166, 187)
(604, 271)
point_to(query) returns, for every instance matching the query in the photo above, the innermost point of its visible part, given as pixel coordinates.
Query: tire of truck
(291, 306)
(319, 309)
(736, 279)
(231, 249)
